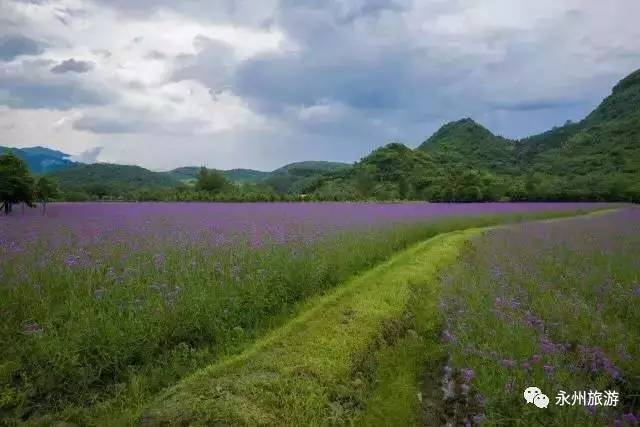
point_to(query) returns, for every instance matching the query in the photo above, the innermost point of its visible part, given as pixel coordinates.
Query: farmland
(104, 306)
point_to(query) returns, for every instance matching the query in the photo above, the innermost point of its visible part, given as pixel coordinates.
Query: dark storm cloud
(72, 66)
(12, 46)
(35, 93)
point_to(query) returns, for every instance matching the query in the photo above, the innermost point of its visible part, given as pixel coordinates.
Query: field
(104, 306)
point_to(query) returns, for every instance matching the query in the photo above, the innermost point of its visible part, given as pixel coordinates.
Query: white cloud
(234, 83)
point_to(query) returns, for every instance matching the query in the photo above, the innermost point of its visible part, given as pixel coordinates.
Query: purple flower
(479, 419)
(526, 365)
(630, 418)
(31, 328)
(467, 375)
(548, 369)
(535, 359)
(448, 336)
(546, 346)
(508, 363)
(72, 260)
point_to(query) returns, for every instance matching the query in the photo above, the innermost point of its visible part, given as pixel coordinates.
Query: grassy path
(321, 368)
(355, 357)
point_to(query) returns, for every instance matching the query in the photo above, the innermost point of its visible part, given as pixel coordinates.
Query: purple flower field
(278, 222)
(554, 305)
(122, 299)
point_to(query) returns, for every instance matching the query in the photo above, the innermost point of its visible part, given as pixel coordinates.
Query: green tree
(46, 189)
(16, 183)
(211, 181)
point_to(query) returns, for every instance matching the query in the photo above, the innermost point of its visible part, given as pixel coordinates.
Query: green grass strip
(320, 367)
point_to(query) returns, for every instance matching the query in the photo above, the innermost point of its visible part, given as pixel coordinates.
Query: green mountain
(469, 144)
(298, 178)
(41, 160)
(597, 158)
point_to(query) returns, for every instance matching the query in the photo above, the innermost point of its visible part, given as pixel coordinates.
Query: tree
(211, 181)
(16, 184)
(46, 189)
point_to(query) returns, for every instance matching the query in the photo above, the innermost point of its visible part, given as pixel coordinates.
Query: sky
(259, 84)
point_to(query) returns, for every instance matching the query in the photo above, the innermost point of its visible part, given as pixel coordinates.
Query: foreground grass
(320, 367)
(102, 332)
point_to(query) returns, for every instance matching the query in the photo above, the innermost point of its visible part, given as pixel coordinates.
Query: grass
(101, 334)
(319, 368)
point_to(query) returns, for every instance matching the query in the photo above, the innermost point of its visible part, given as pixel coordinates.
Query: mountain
(297, 178)
(596, 157)
(41, 160)
(468, 143)
(105, 176)
(291, 178)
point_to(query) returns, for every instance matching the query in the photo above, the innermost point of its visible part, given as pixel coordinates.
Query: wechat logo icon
(534, 395)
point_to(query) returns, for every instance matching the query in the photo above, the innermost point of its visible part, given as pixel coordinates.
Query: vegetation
(16, 183)
(45, 190)
(98, 330)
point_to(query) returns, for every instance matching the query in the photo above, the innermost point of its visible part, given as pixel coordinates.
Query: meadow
(102, 306)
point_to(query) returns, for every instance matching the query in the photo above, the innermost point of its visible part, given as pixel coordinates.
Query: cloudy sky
(260, 83)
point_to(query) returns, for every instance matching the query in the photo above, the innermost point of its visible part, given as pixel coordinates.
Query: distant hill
(188, 173)
(297, 178)
(245, 175)
(291, 178)
(320, 166)
(108, 176)
(41, 160)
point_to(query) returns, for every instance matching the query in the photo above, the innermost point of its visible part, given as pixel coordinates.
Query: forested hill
(597, 158)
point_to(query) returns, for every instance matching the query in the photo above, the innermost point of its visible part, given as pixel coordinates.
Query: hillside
(41, 160)
(469, 144)
(109, 176)
(320, 166)
(188, 173)
(597, 157)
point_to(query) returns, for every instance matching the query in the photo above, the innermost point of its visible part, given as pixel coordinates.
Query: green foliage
(210, 181)
(16, 184)
(45, 190)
